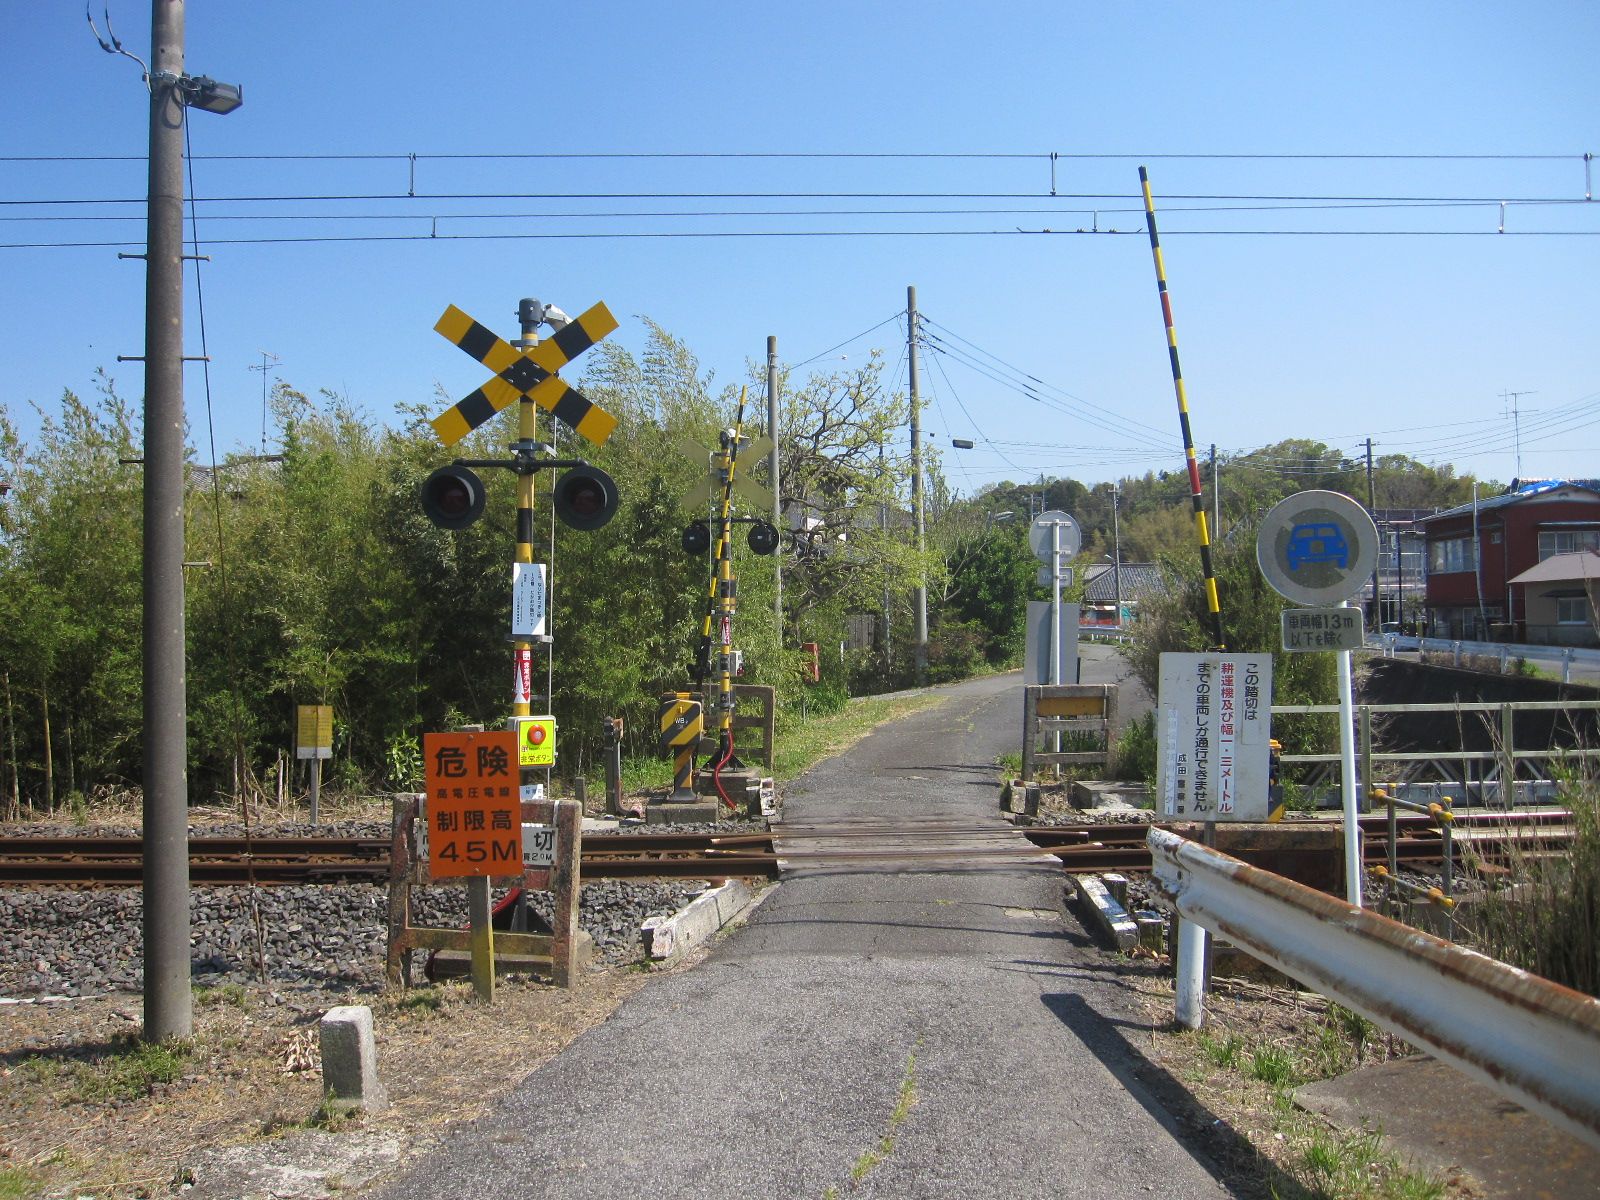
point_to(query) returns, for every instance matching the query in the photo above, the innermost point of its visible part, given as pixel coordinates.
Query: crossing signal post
(583, 497)
(712, 532)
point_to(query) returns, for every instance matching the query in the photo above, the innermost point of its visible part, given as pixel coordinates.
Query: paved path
(774, 1068)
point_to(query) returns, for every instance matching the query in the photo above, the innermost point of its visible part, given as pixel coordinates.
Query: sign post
(1320, 547)
(313, 740)
(474, 826)
(1055, 538)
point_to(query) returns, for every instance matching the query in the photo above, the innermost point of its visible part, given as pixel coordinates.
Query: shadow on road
(1217, 1146)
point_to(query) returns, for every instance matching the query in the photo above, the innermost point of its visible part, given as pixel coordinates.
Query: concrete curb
(692, 926)
(1107, 917)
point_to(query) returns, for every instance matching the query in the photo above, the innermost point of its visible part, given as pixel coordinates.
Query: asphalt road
(950, 986)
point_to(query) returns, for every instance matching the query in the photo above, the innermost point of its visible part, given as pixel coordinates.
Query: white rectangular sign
(527, 599)
(1213, 726)
(538, 845)
(1322, 629)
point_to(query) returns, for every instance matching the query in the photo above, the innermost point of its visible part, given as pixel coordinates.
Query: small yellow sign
(536, 741)
(313, 731)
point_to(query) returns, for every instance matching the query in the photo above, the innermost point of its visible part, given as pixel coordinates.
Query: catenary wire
(1011, 368)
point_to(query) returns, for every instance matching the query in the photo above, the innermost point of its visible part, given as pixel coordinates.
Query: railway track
(1081, 848)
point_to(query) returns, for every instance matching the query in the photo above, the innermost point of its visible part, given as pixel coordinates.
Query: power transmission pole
(916, 487)
(168, 1007)
(772, 471)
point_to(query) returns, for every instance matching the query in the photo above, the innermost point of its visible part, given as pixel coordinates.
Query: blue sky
(1407, 327)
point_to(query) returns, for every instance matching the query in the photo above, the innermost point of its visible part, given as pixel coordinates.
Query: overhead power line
(843, 156)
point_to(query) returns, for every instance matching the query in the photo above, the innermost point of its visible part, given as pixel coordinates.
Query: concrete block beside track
(1104, 915)
(692, 926)
(350, 1059)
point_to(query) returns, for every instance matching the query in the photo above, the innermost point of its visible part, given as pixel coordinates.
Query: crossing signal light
(696, 538)
(585, 498)
(453, 497)
(763, 538)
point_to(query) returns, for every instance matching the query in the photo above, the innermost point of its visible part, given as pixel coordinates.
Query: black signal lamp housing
(762, 538)
(696, 538)
(585, 498)
(453, 497)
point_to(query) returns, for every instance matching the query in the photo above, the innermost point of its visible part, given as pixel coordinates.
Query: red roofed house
(1478, 554)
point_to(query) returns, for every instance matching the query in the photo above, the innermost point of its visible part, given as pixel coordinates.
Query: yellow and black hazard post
(682, 725)
(1275, 805)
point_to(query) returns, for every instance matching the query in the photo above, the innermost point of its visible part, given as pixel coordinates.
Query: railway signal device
(583, 497)
(712, 502)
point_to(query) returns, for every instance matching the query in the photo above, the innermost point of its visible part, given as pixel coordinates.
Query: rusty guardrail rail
(1531, 1040)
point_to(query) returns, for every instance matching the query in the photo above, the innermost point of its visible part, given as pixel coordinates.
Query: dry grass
(249, 1076)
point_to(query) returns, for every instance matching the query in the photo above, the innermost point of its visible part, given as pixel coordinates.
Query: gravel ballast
(86, 941)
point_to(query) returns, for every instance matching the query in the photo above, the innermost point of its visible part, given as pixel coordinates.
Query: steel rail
(1081, 848)
(1531, 1040)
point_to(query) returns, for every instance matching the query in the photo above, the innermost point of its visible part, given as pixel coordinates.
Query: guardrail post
(1190, 971)
(1566, 665)
(1455, 650)
(1447, 850)
(1394, 836)
(1030, 714)
(1366, 759)
(1508, 759)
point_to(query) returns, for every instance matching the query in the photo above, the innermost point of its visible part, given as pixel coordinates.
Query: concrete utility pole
(1216, 495)
(1116, 550)
(1372, 511)
(916, 486)
(168, 1007)
(777, 493)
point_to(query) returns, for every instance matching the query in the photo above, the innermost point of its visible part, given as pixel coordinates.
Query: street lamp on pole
(168, 1005)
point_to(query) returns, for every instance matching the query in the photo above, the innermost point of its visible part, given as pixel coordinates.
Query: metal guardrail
(1566, 657)
(1529, 1039)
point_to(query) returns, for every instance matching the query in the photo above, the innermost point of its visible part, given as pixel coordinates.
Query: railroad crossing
(770, 1068)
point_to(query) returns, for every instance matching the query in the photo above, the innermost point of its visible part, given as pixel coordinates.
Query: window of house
(1451, 554)
(1567, 541)
(1572, 610)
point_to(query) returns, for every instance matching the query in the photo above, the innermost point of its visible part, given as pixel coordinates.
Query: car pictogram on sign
(1316, 543)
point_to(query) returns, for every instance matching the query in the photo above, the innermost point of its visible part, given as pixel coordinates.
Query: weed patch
(131, 1071)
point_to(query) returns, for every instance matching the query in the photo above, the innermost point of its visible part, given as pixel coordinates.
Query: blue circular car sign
(1317, 547)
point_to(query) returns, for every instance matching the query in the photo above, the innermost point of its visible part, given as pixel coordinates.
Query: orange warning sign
(473, 808)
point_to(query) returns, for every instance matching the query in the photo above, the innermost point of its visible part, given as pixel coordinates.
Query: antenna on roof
(1516, 428)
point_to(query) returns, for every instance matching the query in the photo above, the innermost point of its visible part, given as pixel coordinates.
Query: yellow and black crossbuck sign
(530, 373)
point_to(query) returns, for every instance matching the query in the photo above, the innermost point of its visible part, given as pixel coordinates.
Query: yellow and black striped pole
(527, 432)
(1183, 420)
(723, 599)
